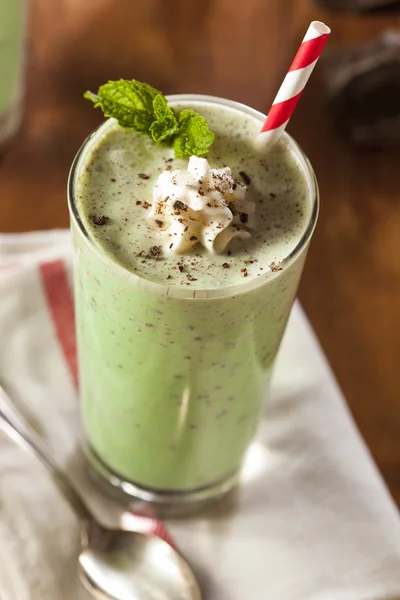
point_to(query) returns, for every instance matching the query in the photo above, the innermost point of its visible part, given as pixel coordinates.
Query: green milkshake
(12, 38)
(181, 308)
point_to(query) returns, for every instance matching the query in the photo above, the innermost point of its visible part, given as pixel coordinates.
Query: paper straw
(295, 81)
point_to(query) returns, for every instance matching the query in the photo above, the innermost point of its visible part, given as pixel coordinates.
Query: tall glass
(173, 380)
(13, 16)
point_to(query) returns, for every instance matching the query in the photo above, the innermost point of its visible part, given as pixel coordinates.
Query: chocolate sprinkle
(178, 205)
(155, 251)
(245, 177)
(99, 220)
(275, 266)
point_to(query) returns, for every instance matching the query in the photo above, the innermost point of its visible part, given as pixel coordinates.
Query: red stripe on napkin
(59, 299)
(144, 524)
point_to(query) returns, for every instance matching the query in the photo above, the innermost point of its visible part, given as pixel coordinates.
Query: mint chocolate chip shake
(12, 37)
(185, 274)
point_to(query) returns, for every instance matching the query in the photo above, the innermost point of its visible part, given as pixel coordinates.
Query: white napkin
(312, 519)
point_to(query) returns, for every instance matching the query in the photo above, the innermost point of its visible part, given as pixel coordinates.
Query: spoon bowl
(126, 565)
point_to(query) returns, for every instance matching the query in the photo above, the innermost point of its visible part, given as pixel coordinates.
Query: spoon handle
(12, 424)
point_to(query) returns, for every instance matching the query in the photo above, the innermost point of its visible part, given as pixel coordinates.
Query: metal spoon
(113, 563)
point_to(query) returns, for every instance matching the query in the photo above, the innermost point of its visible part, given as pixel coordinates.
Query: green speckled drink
(12, 42)
(176, 349)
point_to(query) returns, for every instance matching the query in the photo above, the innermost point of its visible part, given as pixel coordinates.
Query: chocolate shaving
(99, 220)
(225, 265)
(231, 207)
(275, 266)
(244, 217)
(178, 205)
(144, 176)
(193, 238)
(159, 223)
(245, 177)
(155, 251)
(180, 267)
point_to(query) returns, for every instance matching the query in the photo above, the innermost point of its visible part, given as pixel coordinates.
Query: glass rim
(204, 293)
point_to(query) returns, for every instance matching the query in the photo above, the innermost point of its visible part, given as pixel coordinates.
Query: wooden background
(240, 50)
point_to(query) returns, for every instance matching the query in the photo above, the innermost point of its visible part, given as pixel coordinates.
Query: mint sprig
(141, 107)
(166, 125)
(194, 136)
(130, 102)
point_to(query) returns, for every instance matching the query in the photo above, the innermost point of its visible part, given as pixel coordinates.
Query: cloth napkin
(312, 519)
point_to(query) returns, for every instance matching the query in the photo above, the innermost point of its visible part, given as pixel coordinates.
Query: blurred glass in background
(13, 19)
(357, 5)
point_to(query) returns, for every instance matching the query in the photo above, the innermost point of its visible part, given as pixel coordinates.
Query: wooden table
(240, 50)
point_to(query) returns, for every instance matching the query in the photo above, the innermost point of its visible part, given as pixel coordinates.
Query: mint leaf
(194, 137)
(166, 124)
(130, 102)
(139, 106)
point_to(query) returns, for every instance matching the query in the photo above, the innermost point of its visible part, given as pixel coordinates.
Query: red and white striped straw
(295, 81)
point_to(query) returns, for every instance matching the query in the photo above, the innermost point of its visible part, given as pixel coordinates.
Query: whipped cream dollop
(201, 205)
